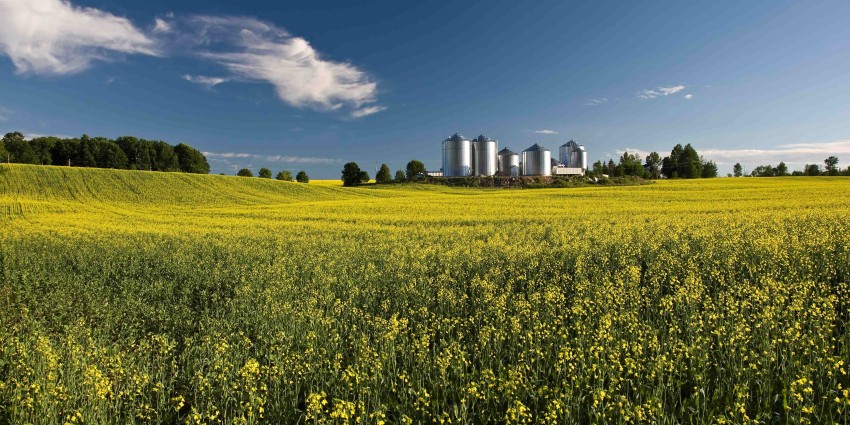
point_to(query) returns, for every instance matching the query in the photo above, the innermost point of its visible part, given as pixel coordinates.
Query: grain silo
(536, 161)
(457, 156)
(483, 156)
(508, 163)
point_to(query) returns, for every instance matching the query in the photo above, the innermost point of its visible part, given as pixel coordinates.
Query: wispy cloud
(795, 153)
(596, 101)
(209, 82)
(56, 37)
(253, 50)
(285, 159)
(546, 132)
(4, 114)
(660, 91)
(689, 96)
(642, 154)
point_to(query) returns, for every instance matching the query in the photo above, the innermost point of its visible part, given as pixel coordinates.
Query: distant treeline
(99, 152)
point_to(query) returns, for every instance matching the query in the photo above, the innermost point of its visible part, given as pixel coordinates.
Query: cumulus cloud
(205, 81)
(660, 91)
(791, 154)
(546, 132)
(689, 96)
(56, 37)
(596, 101)
(273, 158)
(253, 50)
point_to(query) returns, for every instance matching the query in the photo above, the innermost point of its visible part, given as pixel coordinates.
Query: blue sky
(313, 84)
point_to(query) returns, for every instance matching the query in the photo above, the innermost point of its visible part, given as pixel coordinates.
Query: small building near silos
(536, 161)
(507, 164)
(483, 156)
(457, 156)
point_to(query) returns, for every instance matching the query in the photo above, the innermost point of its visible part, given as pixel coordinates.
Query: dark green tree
(781, 169)
(653, 165)
(351, 174)
(598, 169)
(670, 164)
(400, 176)
(383, 175)
(689, 163)
(245, 173)
(738, 170)
(18, 150)
(165, 159)
(709, 170)
(284, 175)
(812, 170)
(191, 160)
(265, 173)
(611, 169)
(415, 169)
(831, 166)
(631, 165)
(302, 177)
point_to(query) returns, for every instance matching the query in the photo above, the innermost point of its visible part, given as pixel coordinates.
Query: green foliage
(191, 160)
(415, 169)
(383, 175)
(738, 170)
(709, 170)
(653, 165)
(811, 170)
(831, 164)
(245, 173)
(781, 170)
(400, 176)
(352, 175)
(265, 173)
(630, 165)
(284, 175)
(302, 177)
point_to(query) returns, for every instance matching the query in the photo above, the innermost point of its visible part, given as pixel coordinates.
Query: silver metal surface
(583, 157)
(483, 156)
(508, 163)
(569, 155)
(536, 161)
(457, 156)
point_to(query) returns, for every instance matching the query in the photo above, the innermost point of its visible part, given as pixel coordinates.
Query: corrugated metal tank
(508, 163)
(457, 156)
(483, 156)
(569, 155)
(536, 161)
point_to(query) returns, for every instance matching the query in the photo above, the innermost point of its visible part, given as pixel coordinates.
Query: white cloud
(205, 81)
(162, 26)
(596, 101)
(273, 158)
(642, 154)
(253, 50)
(796, 154)
(689, 96)
(546, 132)
(56, 37)
(660, 91)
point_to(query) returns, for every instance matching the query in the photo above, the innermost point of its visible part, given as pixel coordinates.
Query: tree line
(683, 162)
(352, 175)
(284, 175)
(99, 152)
(830, 169)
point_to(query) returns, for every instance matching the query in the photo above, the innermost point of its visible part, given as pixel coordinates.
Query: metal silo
(569, 155)
(457, 156)
(483, 156)
(536, 161)
(508, 163)
(583, 152)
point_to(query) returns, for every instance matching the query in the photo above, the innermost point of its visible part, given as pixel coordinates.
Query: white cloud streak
(791, 154)
(546, 132)
(596, 101)
(689, 96)
(253, 50)
(273, 158)
(54, 37)
(660, 91)
(205, 81)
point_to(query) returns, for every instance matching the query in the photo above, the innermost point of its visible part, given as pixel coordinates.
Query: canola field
(139, 297)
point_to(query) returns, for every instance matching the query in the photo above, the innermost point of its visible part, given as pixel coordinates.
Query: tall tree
(631, 165)
(831, 165)
(812, 170)
(781, 169)
(302, 177)
(738, 170)
(689, 163)
(709, 170)
(19, 150)
(191, 160)
(245, 173)
(383, 175)
(351, 174)
(415, 169)
(400, 176)
(670, 164)
(265, 173)
(598, 169)
(653, 165)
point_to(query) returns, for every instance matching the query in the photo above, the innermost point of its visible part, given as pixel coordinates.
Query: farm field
(144, 297)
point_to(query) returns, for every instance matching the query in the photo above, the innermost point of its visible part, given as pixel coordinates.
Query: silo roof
(507, 151)
(571, 142)
(536, 147)
(483, 138)
(456, 138)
